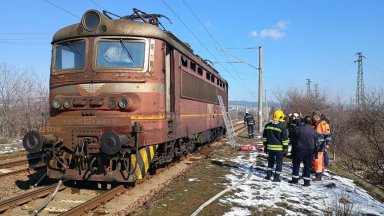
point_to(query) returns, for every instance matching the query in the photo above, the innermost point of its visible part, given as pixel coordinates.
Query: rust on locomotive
(125, 95)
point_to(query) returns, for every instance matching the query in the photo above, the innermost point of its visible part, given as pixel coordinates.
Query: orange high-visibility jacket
(324, 132)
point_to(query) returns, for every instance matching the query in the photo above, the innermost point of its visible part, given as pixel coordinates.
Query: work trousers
(305, 156)
(318, 160)
(250, 129)
(326, 158)
(275, 156)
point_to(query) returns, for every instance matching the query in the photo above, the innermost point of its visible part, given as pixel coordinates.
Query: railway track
(18, 166)
(13, 163)
(70, 204)
(27, 197)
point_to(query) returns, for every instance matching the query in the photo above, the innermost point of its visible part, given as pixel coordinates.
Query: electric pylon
(360, 96)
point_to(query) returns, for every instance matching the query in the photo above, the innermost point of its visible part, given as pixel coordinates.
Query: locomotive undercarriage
(86, 162)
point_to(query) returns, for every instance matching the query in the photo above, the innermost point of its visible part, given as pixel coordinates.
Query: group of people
(310, 138)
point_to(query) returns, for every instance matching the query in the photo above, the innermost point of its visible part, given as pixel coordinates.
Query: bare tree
(23, 97)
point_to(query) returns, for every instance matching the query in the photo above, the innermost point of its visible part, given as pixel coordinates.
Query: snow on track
(258, 193)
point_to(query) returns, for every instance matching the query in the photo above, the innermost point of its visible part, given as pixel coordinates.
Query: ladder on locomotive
(228, 122)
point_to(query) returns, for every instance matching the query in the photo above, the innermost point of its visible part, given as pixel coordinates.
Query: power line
(193, 34)
(218, 46)
(62, 8)
(98, 5)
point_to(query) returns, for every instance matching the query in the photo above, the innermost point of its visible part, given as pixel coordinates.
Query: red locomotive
(125, 95)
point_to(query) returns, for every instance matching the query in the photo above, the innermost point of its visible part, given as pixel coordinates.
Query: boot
(294, 181)
(269, 175)
(276, 178)
(253, 136)
(306, 183)
(249, 136)
(318, 177)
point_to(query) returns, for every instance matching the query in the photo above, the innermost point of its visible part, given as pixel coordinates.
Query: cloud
(272, 33)
(254, 34)
(276, 32)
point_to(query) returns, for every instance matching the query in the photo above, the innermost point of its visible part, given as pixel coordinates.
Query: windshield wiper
(126, 50)
(74, 48)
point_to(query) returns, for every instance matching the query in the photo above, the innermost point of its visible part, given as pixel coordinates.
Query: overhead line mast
(360, 95)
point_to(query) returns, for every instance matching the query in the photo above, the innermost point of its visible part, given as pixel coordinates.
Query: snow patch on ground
(193, 179)
(236, 211)
(325, 195)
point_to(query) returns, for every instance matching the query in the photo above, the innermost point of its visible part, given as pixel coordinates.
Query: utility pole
(360, 95)
(308, 86)
(260, 92)
(266, 105)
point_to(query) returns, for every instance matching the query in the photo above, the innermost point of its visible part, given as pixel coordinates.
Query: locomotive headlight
(112, 103)
(67, 103)
(123, 103)
(56, 103)
(91, 20)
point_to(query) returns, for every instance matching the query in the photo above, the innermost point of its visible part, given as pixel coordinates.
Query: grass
(3, 141)
(186, 194)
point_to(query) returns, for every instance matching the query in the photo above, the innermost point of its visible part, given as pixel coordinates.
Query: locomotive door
(170, 90)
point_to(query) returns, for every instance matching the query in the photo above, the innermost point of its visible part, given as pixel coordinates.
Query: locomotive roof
(126, 27)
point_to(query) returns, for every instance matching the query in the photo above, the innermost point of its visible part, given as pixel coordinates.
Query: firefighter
(324, 138)
(250, 122)
(275, 142)
(305, 143)
(294, 122)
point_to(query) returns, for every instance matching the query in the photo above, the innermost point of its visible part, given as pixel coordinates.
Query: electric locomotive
(125, 95)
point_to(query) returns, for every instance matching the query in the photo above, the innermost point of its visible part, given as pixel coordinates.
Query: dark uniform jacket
(275, 136)
(249, 119)
(305, 137)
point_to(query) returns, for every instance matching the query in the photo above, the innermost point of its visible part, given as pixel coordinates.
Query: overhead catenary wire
(194, 35)
(57, 6)
(218, 46)
(98, 5)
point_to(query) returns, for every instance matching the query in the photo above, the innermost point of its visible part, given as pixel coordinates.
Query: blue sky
(300, 39)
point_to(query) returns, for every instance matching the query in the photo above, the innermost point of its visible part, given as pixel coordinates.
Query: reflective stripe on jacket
(324, 132)
(249, 119)
(275, 136)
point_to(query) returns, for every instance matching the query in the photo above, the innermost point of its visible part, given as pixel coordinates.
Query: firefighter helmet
(278, 115)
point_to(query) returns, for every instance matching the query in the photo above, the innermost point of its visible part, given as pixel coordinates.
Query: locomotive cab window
(69, 55)
(120, 53)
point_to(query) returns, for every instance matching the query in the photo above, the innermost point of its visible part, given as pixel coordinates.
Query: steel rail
(92, 204)
(27, 197)
(14, 172)
(14, 163)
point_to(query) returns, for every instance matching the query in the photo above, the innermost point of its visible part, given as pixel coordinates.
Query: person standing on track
(305, 140)
(275, 140)
(250, 122)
